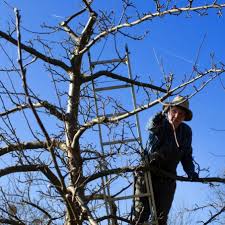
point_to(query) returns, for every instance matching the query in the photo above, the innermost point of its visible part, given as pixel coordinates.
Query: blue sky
(176, 41)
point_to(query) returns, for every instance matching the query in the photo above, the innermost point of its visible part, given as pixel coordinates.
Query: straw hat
(181, 102)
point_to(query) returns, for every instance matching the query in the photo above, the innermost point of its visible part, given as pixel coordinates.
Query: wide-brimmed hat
(181, 102)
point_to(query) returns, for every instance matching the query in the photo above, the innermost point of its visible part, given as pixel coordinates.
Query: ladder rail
(106, 191)
(147, 175)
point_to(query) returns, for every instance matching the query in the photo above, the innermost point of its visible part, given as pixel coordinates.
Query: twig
(121, 78)
(23, 76)
(149, 16)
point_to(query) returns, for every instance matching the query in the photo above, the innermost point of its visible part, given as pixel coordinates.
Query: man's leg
(164, 193)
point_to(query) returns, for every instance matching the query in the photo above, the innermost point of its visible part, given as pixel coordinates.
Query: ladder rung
(108, 61)
(120, 141)
(112, 87)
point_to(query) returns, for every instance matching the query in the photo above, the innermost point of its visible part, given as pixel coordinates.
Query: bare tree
(51, 166)
(214, 206)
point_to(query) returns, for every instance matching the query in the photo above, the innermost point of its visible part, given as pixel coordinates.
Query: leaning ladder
(147, 175)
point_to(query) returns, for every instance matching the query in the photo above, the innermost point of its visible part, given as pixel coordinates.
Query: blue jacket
(163, 150)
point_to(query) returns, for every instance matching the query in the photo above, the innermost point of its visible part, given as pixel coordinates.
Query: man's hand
(193, 176)
(154, 159)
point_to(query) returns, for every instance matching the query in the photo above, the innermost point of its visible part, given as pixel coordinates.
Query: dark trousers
(163, 189)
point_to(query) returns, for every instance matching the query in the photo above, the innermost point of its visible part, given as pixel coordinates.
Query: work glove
(193, 175)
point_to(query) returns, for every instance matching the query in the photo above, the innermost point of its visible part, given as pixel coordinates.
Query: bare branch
(121, 78)
(88, 5)
(19, 169)
(38, 119)
(156, 171)
(31, 145)
(86, 210)
(23, 76)
(146, 18)
(33, 168)
(10, 221)
(66, 28)
(22, 146)
(114, 217)
(86, 33)
(39, 208)
(73, 173)
(51, 108)
(115, 119)
(36, 53)
(212, 218)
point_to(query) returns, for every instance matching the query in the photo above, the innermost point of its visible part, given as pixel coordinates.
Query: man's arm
(155, 128)
(156, 123)
(187, 160)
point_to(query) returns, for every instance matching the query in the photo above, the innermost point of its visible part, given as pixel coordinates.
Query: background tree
(52, 167)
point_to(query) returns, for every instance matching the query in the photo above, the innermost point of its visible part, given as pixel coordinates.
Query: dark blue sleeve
(155, 128)
(152, 143)
(187, 159)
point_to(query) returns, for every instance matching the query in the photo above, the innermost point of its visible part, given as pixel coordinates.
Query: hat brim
(188, 112)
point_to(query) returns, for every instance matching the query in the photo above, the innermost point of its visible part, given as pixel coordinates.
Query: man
(169, 143)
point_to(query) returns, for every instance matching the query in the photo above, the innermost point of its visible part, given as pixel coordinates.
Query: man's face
(176, 115)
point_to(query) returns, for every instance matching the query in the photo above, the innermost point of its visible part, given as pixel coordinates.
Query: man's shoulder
(186, 127)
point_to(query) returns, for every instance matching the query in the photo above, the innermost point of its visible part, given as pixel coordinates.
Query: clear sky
(177, 41)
